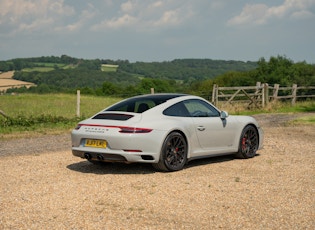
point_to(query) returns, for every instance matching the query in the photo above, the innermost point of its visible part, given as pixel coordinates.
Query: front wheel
(249, 141)
(173, 154)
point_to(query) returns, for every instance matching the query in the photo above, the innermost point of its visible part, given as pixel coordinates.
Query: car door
(213, 133)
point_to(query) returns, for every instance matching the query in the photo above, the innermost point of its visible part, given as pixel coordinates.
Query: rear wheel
(173, 153)
(249, 141)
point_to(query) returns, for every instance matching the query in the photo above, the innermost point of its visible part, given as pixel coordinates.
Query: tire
(249, 142)
(173, 156)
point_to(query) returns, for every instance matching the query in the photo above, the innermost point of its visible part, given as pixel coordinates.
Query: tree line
(180, 75)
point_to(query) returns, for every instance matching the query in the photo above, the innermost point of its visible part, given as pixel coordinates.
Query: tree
(109, 88)
(159, 85)
(283, 71)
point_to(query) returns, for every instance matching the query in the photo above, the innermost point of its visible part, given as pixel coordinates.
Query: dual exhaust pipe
(88, 156)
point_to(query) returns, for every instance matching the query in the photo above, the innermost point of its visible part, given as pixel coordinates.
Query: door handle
(201, 128)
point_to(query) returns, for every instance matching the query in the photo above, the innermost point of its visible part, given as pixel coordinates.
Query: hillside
(6, 82)
(110, 77)
(186, 70)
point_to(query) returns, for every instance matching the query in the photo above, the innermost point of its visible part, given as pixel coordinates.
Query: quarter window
(199, 108)
(177, 110)
(192, 108)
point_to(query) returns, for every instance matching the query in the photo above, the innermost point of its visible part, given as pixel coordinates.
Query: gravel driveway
(44, 187)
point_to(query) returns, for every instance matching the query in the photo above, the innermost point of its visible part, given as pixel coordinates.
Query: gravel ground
(44, 187)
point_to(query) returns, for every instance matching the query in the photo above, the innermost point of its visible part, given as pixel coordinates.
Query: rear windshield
(142, 103)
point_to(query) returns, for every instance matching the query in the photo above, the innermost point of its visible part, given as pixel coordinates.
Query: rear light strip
(123, 129)
(132, 150)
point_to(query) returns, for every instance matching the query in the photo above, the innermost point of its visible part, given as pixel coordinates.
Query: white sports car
(166, 130)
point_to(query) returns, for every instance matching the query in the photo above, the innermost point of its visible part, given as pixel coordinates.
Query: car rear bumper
(116, 156)
(144, 148)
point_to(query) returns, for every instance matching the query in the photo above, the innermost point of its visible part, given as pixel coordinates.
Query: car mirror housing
(224, 114)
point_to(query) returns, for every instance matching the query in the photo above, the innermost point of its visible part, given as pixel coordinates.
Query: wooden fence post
(266, 93)
(275, 92)
(258, 89)
(258, 85)
(152, 90)
(263, 97)
(294, 89)
(214, 94)
(78, 103)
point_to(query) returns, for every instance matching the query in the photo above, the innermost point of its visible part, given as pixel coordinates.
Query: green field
(39, 69)
(48, 113)
(45, 67)
(31, 114)
(109, 68)
(52, 104)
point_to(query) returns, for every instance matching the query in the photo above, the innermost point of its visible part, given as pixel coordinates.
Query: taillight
(78, 127)
(123, 129)
(133, 130)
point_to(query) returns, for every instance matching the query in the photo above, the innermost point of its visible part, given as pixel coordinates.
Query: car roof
(160, 96)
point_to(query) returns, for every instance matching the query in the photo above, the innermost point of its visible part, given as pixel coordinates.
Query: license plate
(95, 143)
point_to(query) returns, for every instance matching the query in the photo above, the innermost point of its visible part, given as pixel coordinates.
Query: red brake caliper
(243, 143)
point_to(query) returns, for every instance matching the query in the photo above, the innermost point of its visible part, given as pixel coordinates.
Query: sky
(158, 30)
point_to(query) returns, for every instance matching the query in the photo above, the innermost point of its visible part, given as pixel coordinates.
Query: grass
(109, 68)
(53, 104)
(49, 113)
(277, 107)
(39, 69)
(33, 114)
(273, 107)
(46, 67)
(307, 120)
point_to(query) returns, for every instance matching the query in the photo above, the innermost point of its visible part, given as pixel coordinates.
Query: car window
(200, 108)
(135, 106)
(140, 104)
(177, 110)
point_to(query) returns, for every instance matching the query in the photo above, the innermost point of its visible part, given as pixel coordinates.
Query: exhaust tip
(100, 157)
(87, 156)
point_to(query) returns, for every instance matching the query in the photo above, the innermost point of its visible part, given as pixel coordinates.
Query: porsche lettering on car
(166, 130)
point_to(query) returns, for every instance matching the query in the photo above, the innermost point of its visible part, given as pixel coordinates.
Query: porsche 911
(165, 130)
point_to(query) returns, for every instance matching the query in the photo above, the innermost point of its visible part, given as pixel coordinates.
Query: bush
(24, 121)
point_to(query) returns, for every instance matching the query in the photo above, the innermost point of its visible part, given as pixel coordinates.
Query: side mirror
(224, 115)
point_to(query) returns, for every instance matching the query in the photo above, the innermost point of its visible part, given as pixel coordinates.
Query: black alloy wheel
(173, 153)
(249, 142)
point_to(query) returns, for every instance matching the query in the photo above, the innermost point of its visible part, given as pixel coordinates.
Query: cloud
(258, 14)
(127, 6)
(168, 18)
(22, 15)
(303, 14)
(16, 10)
(34, 25)
(147, 15)
(49, 16)
(82, 20)
(250, 14)
(123, 21)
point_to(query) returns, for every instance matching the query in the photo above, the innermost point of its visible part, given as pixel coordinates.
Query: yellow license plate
(95, 143)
